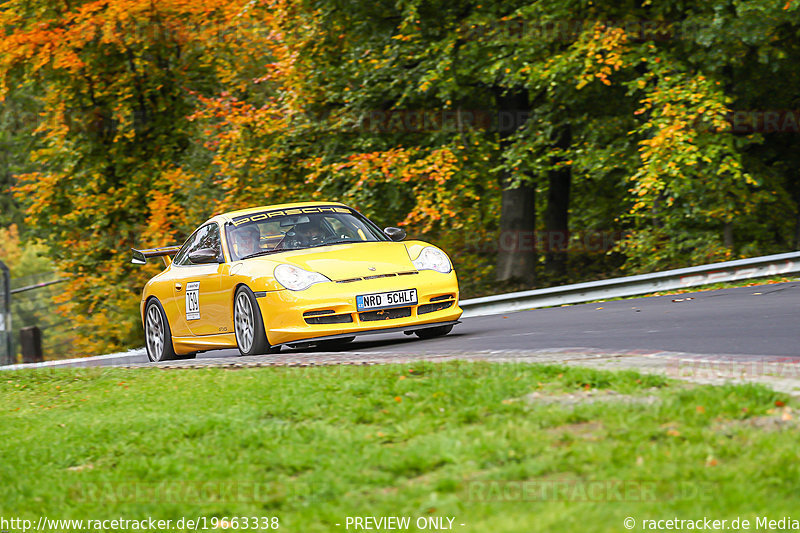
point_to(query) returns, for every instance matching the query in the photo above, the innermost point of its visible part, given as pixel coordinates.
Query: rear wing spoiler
(165, 253)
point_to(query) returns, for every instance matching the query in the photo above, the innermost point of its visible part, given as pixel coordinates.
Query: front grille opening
(443, 297)
(318, 313)
(376, 276)
(385, 314)
(329, 319)
(431, 308)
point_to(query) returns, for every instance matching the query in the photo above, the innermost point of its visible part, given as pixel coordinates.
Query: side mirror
(395, 234)
(204, 255)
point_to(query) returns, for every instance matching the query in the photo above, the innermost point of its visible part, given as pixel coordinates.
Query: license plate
(386, 300)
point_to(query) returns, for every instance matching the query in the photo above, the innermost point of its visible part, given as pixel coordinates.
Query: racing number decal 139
(193, 300)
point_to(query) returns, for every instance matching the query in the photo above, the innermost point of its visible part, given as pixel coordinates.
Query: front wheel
(248, 324)
(429, 333)
(158, 338)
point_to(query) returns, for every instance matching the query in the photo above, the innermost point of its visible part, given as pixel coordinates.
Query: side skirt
(184, 345)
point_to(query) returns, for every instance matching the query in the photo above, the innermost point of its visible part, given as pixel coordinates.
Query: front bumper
(328, 310)
(407, 330)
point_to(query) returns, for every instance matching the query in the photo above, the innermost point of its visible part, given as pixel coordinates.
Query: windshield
(298, 231)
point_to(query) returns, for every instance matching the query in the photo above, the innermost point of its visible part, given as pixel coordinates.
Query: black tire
(248, 324)
(429, 333)
(157, 335)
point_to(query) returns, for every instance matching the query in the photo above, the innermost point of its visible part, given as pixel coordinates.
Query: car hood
(348, 261)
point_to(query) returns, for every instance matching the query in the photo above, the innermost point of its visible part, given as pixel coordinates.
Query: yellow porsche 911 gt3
(296, 274)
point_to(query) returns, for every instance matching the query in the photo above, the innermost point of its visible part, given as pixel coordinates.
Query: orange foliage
(115, 78)
(605, 48)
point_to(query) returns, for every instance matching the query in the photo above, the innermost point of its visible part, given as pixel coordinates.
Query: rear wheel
(429, 333)
(249, 325)
(158, 338)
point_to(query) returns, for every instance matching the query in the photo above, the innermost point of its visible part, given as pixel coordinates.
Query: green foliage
(18, 121)
(23, 258)
(689, 172)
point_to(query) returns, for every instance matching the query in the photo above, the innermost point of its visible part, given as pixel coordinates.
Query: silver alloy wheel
(155, 333)
(244, 322)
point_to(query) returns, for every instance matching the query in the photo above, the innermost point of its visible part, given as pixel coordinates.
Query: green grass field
(313, 446)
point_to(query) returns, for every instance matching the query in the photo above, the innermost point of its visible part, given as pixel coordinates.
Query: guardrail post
(6, 329)
(30, 340)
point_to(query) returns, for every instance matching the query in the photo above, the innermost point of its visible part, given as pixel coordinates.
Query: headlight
(295, 278)
(433, 259)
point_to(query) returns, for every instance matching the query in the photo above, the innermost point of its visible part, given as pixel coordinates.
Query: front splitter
(404, 329)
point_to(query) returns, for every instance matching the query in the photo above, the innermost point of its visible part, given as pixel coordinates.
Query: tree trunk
(557, 212)
(516, 253)
(727, 235)
(797, 232)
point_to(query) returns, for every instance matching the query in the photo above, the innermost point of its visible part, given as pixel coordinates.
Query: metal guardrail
(756, 267)
(6, 329)
(37, 286)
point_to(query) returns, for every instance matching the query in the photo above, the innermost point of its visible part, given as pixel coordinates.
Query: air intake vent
(318, 313)
(329, 319)
(385, 314)
(381, 276)
(376, 276)
(431, 308)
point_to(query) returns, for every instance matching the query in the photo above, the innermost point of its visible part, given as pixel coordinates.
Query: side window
(205, 237)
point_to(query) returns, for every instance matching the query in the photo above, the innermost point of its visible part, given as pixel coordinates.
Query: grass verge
(491, 445)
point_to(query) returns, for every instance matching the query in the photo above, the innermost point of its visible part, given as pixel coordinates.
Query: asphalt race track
(748, 321)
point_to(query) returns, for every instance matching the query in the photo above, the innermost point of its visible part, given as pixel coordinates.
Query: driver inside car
(246, 241)
(310, 233)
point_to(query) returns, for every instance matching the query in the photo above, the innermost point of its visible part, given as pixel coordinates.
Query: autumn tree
(115, 79)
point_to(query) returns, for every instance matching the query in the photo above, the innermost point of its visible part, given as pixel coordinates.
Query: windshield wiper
(336, 242)
(263, 252)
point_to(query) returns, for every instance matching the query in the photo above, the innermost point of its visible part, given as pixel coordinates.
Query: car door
(197, 287)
